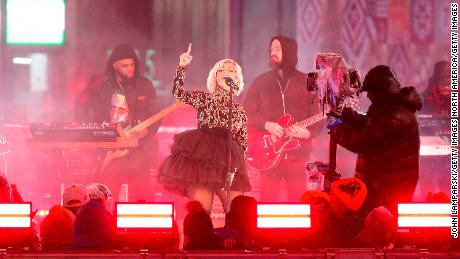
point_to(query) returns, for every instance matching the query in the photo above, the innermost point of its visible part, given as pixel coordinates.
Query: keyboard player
(434, 124)
(122, 95)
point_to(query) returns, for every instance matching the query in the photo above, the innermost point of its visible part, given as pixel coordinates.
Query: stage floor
(320, 253)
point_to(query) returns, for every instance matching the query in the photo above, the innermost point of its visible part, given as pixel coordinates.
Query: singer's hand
(186, 58)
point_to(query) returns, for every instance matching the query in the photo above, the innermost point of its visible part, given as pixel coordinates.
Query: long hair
(212, 82)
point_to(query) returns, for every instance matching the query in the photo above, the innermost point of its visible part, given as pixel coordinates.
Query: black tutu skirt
(199, 157)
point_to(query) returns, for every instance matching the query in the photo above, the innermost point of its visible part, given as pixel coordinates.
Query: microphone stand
(332, 175)
(230, 172)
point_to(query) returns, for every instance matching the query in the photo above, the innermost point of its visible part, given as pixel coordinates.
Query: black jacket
(264, 102)
(95, 101)
(386, 139)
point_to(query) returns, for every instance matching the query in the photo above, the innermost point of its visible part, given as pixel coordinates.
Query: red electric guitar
(264, 153)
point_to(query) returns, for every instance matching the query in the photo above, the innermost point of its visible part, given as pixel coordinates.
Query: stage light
(15, 225)
(283, 216)
(42, 213)
(425, 225)
(283, 225)
(146, 226)
(134, 215)
(15, 215)
(424, 215)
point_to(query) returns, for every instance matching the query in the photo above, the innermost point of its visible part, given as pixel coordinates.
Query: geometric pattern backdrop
(409, 36)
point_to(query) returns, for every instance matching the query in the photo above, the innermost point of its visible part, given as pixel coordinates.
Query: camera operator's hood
(289, 50)
(380, 79)
(406, 96)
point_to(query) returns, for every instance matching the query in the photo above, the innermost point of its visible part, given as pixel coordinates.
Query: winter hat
(122, 51)
(74, 196)
(98, 191)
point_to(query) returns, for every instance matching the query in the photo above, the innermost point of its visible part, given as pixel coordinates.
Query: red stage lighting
(149, 216)
(15, 225)
(425, 225)
(146, 226)
(283, 225)
(283, 216)
(424, 215)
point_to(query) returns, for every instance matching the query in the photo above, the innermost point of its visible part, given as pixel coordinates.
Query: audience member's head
(93, 226)
(74, 197)
(101, 193)
(194, 206)
(4, 188)
(344, 220)
(242, 215)
(198, 230)
(319, 204)
(315, 198)
(56, 229)
(8, 192)
(379, 228)
(379, 83)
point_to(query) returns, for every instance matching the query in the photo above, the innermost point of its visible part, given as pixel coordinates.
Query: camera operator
(386, 139)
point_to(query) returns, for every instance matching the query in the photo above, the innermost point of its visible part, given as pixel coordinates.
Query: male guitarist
(122, 95)
(283, 90)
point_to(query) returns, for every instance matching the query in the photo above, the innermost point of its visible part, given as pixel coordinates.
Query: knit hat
(74, 196)
(122, 51)
(98, 191)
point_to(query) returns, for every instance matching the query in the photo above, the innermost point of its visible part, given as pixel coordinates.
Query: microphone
(229, 81)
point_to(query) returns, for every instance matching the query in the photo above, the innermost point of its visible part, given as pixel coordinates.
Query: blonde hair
(212, 82)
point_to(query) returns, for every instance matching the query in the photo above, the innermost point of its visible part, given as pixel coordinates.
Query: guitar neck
(311, 120)
(148, 122)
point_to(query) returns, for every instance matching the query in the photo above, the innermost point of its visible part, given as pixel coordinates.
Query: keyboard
(75, 131)
(434, 146)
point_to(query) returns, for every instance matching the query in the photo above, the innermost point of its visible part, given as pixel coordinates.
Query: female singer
(197, 165)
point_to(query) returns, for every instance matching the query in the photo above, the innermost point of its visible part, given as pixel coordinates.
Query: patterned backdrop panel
(408, 35)
(422, 21)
